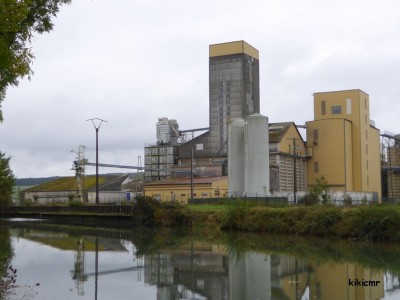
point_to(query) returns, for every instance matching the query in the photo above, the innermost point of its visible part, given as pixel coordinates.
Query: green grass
(208, 207)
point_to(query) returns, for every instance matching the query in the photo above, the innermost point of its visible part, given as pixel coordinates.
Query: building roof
(69, 183)
(186, 180)
(236, 47)
(277, 131)
(341, 91)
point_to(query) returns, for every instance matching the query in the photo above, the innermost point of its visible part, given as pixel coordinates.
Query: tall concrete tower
(234, 88)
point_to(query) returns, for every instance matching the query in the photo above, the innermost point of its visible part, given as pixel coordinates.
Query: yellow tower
(344, 143)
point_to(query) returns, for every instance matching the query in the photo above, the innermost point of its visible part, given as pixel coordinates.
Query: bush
(347, 200)
(150, 212)
(309, 199)
(28, 202)
(316, 193)
(237, 210)
(371, 223)
(75, 203)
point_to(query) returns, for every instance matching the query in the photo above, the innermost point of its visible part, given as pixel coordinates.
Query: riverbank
(372, 223)
(359, 223)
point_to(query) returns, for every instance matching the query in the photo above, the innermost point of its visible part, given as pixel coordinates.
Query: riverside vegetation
(376, 222)
(367, 222)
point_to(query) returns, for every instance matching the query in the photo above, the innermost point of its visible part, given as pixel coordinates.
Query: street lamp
(97, 123)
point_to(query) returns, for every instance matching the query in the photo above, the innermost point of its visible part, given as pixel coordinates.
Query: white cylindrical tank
(236, 158)
(256, 156)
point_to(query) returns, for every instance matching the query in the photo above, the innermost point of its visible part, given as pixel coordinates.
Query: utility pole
(191, 175)
(295, 173)
(294, 155)
(97, 123)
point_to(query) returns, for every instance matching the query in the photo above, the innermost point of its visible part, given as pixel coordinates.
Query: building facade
(178, 189)
(343, 143)
(234, 88)
(287, 159)
(391, 167)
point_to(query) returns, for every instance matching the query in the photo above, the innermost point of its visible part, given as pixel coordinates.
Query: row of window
(336, 109)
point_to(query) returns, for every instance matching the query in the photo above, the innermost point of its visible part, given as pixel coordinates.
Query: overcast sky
(131, 62)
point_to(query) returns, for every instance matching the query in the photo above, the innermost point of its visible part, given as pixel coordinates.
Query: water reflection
(102, 264)
(209, 273)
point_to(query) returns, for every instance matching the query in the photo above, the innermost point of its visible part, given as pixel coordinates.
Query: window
(316, 167)
(315, 136)
(336, 110)
(348, 106)
(323, 107)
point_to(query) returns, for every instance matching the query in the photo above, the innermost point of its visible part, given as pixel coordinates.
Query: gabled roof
(69, 183)
(277, 131)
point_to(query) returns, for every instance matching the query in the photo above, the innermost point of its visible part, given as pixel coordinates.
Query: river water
(91, 263)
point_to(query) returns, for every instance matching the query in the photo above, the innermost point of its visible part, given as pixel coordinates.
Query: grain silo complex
(234, 98)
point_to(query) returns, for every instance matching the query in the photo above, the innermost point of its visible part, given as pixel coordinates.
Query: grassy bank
(370, 223)
(360, 223)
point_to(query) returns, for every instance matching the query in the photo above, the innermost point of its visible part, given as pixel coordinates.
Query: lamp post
(97, 123)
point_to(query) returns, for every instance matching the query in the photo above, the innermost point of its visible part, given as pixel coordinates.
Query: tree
(7, 180)
(19, 21)
(317, 193)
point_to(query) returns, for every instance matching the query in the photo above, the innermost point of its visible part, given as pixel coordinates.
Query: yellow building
(287, 158)
(344, 143)
(178, 189)
(339, 281)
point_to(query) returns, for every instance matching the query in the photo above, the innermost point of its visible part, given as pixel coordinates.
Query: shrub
(347, 200)
(316, 193)
(236, 212)
(28, 202)
(75, 203)
(150, 212)
(309, 199)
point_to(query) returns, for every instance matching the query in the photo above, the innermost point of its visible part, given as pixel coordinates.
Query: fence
(98, 209)
(260, 200)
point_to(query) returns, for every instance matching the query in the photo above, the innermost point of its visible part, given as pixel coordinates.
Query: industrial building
(343, 143)
(390, 154)
(287, 159)
(179, 188)
(234, 91)
(287, 168)
(234, 94)
(63, 190)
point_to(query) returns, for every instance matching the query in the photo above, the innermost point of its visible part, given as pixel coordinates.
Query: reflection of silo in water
(248, 157)
(236, 158)
(256, 152)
